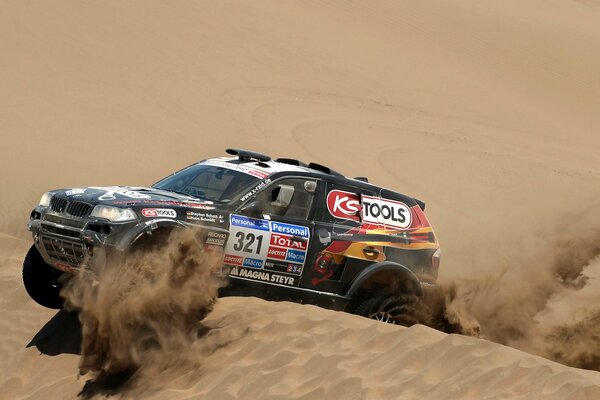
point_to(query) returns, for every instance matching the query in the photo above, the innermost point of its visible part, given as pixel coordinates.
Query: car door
(270, 233)
(336, 251)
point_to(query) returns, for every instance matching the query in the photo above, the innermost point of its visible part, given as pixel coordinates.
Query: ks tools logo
(344, 205)
(159, 212)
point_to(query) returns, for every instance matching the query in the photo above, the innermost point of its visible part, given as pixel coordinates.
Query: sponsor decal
(277, 253)
(65, 267)
(258, 187)
(252, 262)
(194, 205)
(216, 238)
(278, 246)
(283, 280)
(252, 223)
(294, 269)
(283, 266)
(246, 169)
(110, 193)
(232, 260)
(294, 230)
(265, 276)
(159, 212)
(205, 206)
(344, 205)
(212, 247)
(296, 256)
(75, 192)
(389, 212)
(203, 216)
(374, 210)
(286, 241)
(215, 241)
(217, 235)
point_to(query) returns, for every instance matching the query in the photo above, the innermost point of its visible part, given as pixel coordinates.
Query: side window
(290, 198)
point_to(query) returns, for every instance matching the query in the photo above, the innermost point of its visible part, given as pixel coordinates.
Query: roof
(262, 166)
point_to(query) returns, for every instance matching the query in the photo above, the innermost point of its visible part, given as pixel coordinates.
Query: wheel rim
(383, 316)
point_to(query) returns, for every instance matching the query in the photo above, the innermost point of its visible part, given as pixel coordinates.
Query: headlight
(114, 214)
(45, 200)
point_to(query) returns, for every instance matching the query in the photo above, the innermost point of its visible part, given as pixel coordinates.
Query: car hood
(129, 196)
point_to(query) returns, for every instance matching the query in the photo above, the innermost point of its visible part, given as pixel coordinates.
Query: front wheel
(41, 280)
(406, 310)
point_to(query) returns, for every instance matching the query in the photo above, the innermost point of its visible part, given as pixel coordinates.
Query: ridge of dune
(323, 354)
(267, 350)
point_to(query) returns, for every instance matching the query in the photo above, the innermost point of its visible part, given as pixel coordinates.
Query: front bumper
(68, 243)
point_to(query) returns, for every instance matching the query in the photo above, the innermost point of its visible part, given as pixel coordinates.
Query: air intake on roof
(245, 155)
(324, 169)
(291, 161)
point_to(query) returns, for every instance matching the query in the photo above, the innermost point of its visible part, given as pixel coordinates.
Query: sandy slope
(487, 110)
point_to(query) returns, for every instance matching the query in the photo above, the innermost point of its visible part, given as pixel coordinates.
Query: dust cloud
(546, 302)
(145, 310)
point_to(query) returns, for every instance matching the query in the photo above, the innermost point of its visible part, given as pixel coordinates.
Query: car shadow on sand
(60, 335)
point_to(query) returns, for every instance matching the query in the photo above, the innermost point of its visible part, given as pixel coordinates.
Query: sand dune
(486, 110)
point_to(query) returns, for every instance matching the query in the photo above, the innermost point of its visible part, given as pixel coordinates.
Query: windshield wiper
(184, 193)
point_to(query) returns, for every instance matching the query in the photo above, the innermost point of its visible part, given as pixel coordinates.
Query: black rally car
(286, 230)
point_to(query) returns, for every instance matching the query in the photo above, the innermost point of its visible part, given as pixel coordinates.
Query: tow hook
(89, 245)
(150, 226)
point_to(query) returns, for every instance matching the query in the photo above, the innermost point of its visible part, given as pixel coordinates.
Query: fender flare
(146, 228)
(379, 267)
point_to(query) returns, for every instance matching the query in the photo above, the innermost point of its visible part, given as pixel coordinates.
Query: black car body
(286, 230)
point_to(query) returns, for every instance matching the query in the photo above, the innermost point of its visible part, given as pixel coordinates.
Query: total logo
(346, 205)
(159, 212)
(286, 241)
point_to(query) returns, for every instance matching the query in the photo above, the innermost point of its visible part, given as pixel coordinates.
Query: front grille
(58, 204)
(75, 223)
(75, 208)
(79, 209)
(72, 253)
(61, 231)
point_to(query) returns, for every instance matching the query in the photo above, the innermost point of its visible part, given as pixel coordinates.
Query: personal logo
(159, 212)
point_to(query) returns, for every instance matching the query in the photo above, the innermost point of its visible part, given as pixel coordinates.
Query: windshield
(207, 182)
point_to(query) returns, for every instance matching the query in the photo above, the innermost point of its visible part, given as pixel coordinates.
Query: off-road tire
(405, 309)
(41, 281)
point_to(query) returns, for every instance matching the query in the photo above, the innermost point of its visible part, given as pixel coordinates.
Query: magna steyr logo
(346, 205)
(159, 212)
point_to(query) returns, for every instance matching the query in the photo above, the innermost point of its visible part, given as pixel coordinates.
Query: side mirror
(284, 198)
(310, 186)
(252, 209)
(324, 236)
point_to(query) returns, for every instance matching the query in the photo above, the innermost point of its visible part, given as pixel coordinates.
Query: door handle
(371, 251)
(298, 239)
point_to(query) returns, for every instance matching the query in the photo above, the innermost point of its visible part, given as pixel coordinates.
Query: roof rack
(362, 179)
(291, 161)
(324, 169)
(246, 156)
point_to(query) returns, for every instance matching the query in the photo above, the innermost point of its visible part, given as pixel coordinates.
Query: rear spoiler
(421, 204)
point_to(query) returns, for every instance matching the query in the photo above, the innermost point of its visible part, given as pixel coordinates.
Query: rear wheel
(396, 309)
(41, 280)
